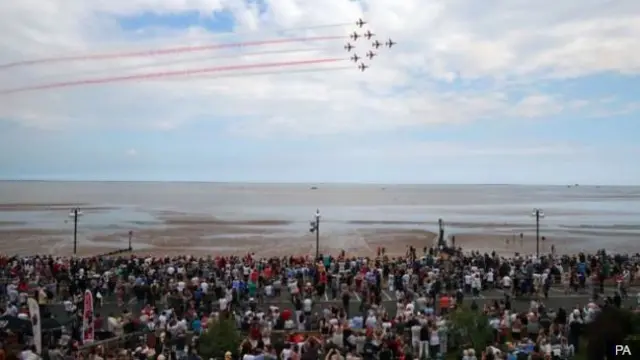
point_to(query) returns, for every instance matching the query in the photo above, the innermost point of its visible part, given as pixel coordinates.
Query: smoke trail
(261, 73)
(178, 61)
(174, 39)
(168, 51)
(170, 74)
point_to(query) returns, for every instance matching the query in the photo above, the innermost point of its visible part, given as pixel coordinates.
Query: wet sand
(214, 221)
(198, 241)
(13, 207)
(448, 223)
(180, 233)
(202, 240)
(570, 244)
(12, 223)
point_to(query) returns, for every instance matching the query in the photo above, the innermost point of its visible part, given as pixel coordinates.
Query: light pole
(538, 214)
(75, 213)
(130, 237)
(441, 242)
(315, 227)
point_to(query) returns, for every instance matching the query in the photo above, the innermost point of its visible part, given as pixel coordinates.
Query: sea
(590, 212)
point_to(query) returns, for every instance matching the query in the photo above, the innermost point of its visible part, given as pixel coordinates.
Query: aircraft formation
(374, 45)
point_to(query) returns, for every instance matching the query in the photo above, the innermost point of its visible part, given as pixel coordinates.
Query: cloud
(132, 152)
(450, 149)
(442, 45)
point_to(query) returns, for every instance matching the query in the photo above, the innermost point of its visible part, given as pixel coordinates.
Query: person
(29, 353)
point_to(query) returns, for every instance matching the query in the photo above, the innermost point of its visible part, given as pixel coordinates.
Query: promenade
(557, 298)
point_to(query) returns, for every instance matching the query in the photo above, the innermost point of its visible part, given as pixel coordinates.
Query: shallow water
(507, 209)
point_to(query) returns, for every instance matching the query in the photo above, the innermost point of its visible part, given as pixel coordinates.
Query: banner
(87, 318)
(36, 323)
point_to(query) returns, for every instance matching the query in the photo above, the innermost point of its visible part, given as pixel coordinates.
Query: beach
(225, 219)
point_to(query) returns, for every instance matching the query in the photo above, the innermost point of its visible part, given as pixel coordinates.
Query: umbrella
(14, 324)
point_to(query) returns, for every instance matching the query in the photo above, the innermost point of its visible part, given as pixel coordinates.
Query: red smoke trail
(262, 73)
(156, 65)
(170, 74)
(168, 51)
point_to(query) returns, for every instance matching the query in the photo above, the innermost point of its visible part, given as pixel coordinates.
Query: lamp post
(538, 214)
(441, 241)
(130, 237)
(315, 227)
(75, 213)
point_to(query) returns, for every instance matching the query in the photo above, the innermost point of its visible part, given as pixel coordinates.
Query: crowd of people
(337, 307)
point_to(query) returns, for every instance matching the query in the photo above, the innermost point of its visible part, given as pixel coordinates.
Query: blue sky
(468, 100)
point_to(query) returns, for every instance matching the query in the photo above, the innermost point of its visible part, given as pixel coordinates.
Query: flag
(36, 323)
(87, 318)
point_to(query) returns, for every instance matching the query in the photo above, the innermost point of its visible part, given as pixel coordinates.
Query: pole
(75, 231)
(130, 236)
(537, 233)
(317, 234)
(441, 241)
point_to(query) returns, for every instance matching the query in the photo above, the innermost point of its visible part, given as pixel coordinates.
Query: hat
(227, 354)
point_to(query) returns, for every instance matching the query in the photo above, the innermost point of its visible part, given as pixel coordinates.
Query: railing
(114, 342)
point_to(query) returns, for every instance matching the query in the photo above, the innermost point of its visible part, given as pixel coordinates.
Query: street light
(315, 227)
(75, 213)
(441, 241)
(538, 214)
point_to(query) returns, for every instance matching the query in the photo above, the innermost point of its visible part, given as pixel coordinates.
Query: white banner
(36, 322)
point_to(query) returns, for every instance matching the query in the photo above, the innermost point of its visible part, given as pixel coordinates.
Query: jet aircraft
(355, 58)
(390, 43)
(368, 34)
(362, 67)
(348, 47)
(371, 54)
(376, 44)
(360, 23)
(354, 36)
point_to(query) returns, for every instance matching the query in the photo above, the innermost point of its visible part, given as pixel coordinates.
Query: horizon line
(309, 183)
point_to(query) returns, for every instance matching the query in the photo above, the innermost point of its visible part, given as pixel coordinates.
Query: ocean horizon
(310, 183)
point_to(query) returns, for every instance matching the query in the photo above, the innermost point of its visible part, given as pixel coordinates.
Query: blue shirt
(196, 325)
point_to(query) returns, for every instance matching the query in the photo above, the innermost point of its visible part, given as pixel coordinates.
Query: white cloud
(439, 149)
(132, 152)
(445, 40)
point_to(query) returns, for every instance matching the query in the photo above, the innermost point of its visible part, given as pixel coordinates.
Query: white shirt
(112, 324)
(286, 354)
(307, 305)
(415, 333)
(476, 283)
(68, 306)
(434, 339)
(467, 279)
(29, 355)
(506, 281)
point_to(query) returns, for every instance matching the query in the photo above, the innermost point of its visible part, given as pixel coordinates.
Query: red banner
(87, 318)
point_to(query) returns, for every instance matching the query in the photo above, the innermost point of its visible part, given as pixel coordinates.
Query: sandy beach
(211, 236)
(162, 231)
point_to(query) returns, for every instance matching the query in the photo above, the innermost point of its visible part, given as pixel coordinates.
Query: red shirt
(254, 332)
(323, 277)
(286, 314)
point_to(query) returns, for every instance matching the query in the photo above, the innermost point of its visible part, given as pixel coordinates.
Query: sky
(505, 92)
